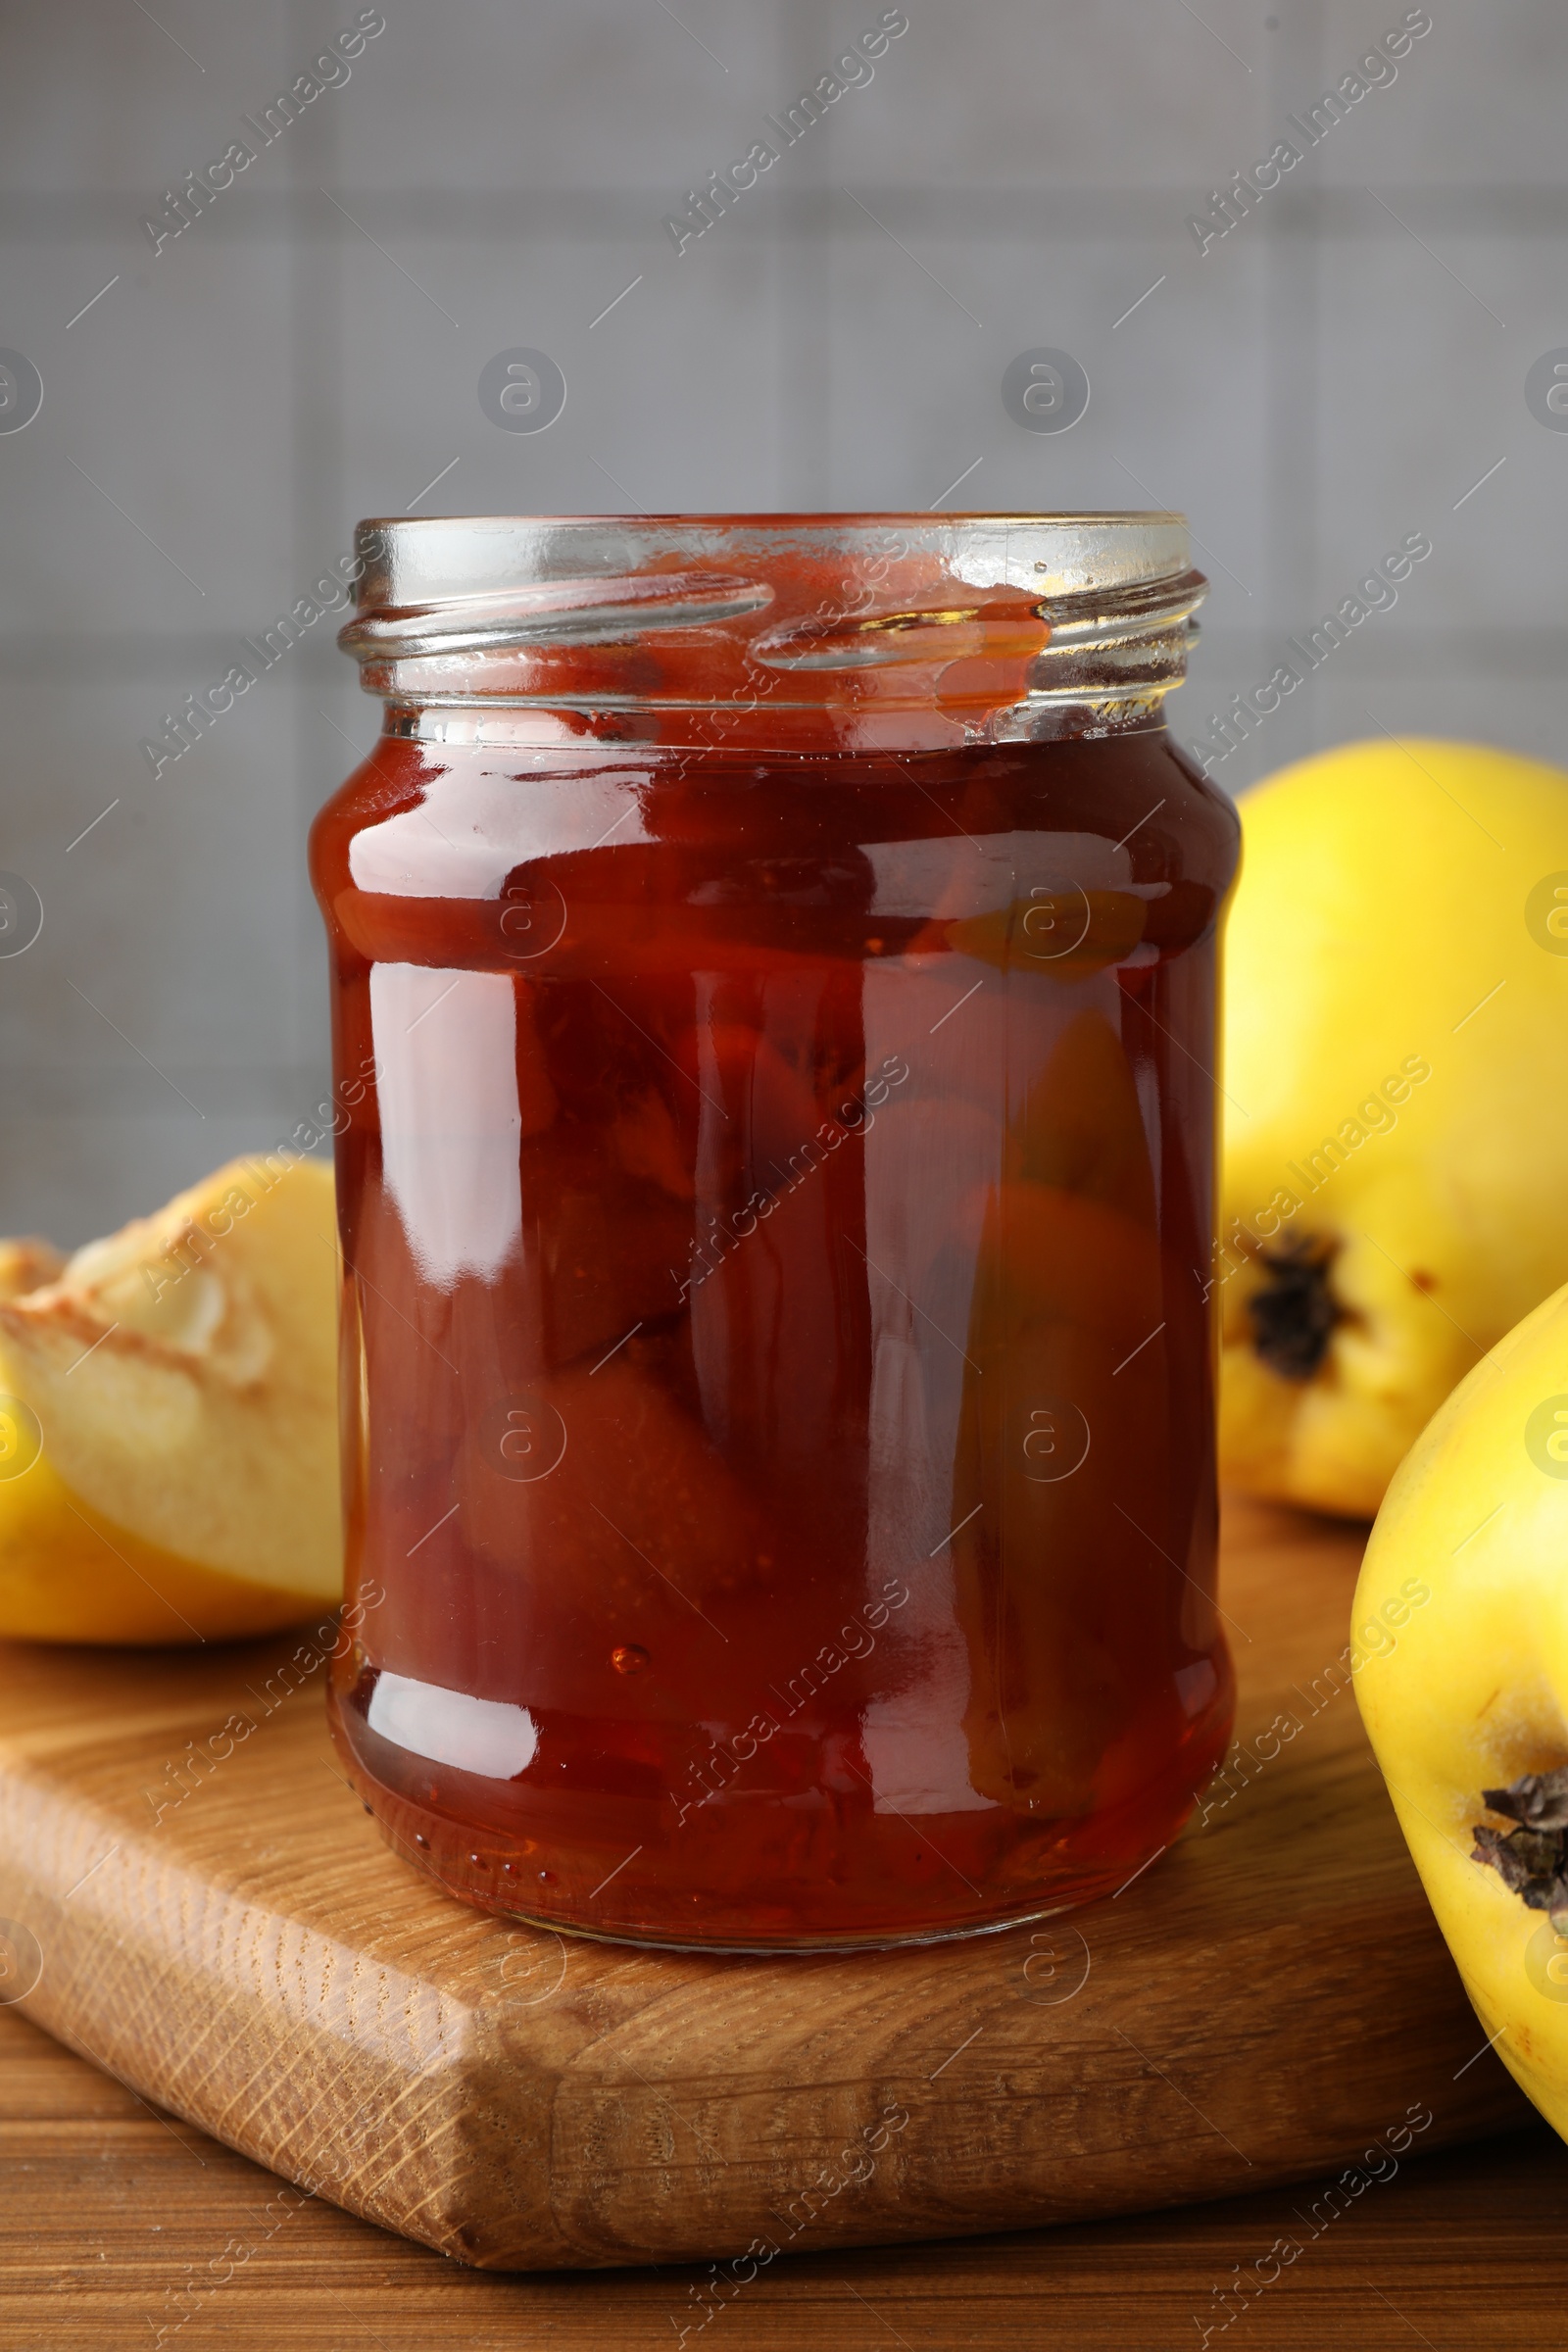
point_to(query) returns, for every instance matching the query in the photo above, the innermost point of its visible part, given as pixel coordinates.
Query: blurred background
(1345, 368)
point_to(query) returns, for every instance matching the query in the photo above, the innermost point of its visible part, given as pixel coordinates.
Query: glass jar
(774, 975)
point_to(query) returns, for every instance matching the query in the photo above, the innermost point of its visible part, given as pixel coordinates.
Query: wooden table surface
(117, 2221)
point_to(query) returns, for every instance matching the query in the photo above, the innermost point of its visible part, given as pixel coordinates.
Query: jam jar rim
(447, 606)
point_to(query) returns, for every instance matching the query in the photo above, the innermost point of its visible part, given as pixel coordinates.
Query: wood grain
(116, 2224)
(1260, 2004)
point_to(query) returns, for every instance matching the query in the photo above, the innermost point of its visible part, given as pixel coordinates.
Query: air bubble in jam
(628, 1657)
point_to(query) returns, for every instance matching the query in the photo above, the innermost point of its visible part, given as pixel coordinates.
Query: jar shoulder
(919, 837)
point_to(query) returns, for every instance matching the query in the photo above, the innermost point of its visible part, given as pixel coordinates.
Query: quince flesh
(1470, 1694)
(168, 1462)
(1396, 1109)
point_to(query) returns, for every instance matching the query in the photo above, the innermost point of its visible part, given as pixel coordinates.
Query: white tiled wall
(1337, 371)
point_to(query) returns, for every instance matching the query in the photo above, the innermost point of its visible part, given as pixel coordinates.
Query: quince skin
(168, 1462)
(1396, 1082)
(1467, 1708)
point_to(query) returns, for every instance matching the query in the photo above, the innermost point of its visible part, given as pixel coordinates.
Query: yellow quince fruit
(1395, 1102)
(169, 1459)
(1465, 1699)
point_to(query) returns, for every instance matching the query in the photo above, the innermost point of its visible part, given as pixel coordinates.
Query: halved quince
(168, 1457)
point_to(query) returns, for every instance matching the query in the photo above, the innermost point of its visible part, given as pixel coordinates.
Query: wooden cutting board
(1262, 2003)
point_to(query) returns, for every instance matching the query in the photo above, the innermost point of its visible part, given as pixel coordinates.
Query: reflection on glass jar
(777, 1366)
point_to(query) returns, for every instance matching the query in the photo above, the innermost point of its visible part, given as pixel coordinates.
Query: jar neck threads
(816, 633)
